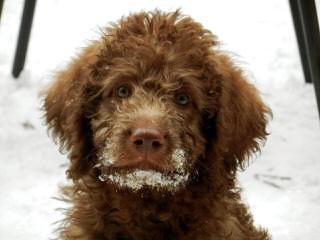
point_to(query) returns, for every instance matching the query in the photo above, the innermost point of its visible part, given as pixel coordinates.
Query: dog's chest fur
(111, 215)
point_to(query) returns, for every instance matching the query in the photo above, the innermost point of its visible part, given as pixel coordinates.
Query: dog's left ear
(241, 116)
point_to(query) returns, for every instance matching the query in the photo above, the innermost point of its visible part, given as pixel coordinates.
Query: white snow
(282, 185)
(137, 179)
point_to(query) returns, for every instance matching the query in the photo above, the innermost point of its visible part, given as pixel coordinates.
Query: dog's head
(153, 101)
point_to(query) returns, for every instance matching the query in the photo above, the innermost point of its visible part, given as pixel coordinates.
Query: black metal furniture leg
(306, 24)
(23, 39)
(1, 5)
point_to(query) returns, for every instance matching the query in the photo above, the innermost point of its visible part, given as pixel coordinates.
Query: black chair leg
(1, 5)
(23, 39)
(306, 25)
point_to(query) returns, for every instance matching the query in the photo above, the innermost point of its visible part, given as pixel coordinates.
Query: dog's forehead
(159, 70)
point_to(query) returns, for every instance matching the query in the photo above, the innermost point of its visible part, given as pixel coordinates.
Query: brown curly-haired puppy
(156, 121)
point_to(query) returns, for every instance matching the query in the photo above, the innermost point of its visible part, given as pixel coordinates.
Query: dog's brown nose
(147, 139)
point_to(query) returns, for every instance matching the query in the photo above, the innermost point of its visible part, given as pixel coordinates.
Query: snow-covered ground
(282, 185)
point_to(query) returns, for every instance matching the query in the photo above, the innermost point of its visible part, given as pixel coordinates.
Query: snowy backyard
(282, 185)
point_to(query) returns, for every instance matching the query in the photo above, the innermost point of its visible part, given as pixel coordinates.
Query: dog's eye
(123, 92)
(182, 99)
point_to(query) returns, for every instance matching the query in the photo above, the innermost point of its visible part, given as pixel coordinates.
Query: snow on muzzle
(137, 179)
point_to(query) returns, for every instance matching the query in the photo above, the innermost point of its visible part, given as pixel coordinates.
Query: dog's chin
(137, 180)
(143, 176)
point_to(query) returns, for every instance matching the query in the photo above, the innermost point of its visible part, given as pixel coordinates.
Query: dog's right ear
(65, 111)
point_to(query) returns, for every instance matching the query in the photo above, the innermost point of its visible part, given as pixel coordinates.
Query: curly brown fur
(157, 56)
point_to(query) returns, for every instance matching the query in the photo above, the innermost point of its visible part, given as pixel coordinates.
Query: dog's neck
(157, 212)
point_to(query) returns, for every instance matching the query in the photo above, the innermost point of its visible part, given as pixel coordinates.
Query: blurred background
(282, 185)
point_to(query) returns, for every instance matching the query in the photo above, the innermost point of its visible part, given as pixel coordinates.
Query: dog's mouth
(152, 177)
(138, 179)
